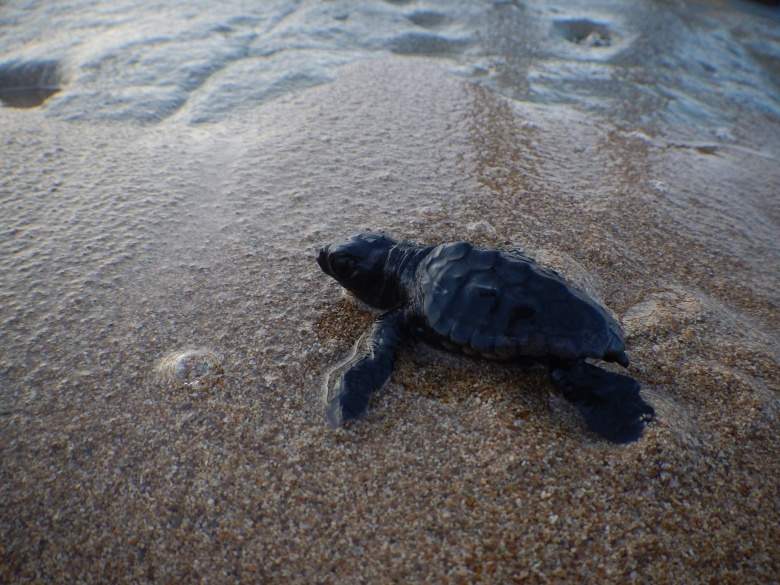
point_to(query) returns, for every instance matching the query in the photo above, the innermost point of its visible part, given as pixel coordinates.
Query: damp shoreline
(166, 327)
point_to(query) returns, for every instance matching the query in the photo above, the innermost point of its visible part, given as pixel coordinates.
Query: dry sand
(120, 246)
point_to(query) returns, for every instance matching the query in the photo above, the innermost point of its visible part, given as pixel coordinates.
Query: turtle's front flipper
(350, 384)
(610, 403)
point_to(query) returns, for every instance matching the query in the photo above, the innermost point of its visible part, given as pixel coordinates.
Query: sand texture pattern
(166, 330)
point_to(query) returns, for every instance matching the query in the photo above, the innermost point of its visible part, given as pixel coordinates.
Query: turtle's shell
(504, 305)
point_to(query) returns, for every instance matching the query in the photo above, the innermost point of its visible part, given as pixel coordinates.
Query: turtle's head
(358, 265)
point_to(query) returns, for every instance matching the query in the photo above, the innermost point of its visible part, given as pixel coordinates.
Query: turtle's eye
(343, 266)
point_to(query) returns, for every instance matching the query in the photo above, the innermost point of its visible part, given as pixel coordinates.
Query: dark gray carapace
(487, 303)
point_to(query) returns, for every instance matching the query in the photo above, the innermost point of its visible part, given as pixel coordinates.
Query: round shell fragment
(197, 369)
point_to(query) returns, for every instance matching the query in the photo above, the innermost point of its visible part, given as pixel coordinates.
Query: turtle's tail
(610, 403)
(616, 352)
(617, 356)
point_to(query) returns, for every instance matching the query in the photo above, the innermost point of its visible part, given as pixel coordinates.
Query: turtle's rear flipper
(351, 383)
(610, 403)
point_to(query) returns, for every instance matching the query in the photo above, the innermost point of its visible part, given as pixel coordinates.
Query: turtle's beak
(322, 260)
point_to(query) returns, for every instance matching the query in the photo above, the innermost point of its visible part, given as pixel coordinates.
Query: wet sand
(121, 245)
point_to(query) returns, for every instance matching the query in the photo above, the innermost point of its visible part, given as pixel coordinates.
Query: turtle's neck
(401, 267)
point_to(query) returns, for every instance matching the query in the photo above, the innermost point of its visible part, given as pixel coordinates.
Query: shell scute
(482, 342)
(460, 333)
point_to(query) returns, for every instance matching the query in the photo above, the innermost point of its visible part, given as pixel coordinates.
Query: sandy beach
(126, 244)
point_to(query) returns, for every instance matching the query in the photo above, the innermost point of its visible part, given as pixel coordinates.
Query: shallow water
(695, 67)
(165, 328)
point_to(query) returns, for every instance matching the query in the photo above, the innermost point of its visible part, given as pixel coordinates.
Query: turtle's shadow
(514, 391)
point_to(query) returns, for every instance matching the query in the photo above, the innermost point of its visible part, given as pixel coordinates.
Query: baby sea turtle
(494, 304)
